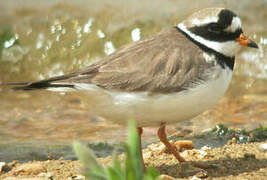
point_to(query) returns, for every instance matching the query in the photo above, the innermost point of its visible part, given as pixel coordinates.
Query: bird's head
(217, 28)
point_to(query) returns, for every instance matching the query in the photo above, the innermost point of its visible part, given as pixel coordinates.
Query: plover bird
(167, 78)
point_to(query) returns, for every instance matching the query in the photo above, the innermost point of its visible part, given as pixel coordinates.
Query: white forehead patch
(206, 20)
(236, 24)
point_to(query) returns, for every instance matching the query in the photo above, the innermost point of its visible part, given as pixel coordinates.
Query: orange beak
(244, 41)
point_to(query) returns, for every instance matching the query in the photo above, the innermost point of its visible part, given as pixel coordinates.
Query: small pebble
(205, 148)
(42, 175)
(78, 177)
(263, 147)
(13, 163)
(156, 147)
(232, 141)
(2, 164)
(202, 154)
(147, 154)
(195, 178)
(4, 167)
(48, 175)
(202, 174)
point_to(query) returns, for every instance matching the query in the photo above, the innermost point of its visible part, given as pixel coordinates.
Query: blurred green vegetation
(7, 38)
(131, 170)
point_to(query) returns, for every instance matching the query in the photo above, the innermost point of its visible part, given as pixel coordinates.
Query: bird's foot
(172, 148)
(179, 146)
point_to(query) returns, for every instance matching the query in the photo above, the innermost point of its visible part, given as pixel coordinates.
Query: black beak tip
(252, 44)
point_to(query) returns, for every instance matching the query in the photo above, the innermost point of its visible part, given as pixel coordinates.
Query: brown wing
(165, 62)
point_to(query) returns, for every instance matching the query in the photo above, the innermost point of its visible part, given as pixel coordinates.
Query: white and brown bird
(167, 78)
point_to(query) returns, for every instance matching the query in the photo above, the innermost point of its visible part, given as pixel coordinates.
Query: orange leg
(163, 138)
(140, 131)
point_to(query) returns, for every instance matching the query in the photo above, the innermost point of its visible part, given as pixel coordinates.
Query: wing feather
(165, 62)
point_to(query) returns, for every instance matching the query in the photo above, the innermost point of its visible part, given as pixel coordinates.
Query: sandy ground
(232, 161)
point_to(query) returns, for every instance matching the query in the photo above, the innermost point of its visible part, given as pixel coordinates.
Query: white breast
(151, 110)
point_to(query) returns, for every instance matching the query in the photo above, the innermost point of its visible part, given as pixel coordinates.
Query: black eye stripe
(214, 27)
(215, 34)
(215, 31)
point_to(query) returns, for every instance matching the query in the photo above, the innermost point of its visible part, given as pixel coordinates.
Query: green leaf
(116, 163)
(129, 168)
(113, 174)
(134, 167)
(151, 174)
(115, 171)
(95, 176)
(89, 161)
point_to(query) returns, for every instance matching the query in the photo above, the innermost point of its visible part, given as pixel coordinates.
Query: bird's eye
(214, 27)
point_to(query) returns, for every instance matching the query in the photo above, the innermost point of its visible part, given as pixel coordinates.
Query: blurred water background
(45, 38)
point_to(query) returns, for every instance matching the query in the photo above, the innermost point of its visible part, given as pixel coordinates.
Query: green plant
(131, 170)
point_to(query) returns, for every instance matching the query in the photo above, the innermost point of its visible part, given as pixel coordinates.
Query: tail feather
(53, 82)
(36, 85)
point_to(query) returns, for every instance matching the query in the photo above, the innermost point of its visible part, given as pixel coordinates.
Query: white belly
(151, 110)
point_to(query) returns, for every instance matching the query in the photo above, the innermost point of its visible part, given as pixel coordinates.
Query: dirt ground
(232, 161)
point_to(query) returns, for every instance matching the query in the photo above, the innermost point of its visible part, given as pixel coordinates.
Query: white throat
(228, 48)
